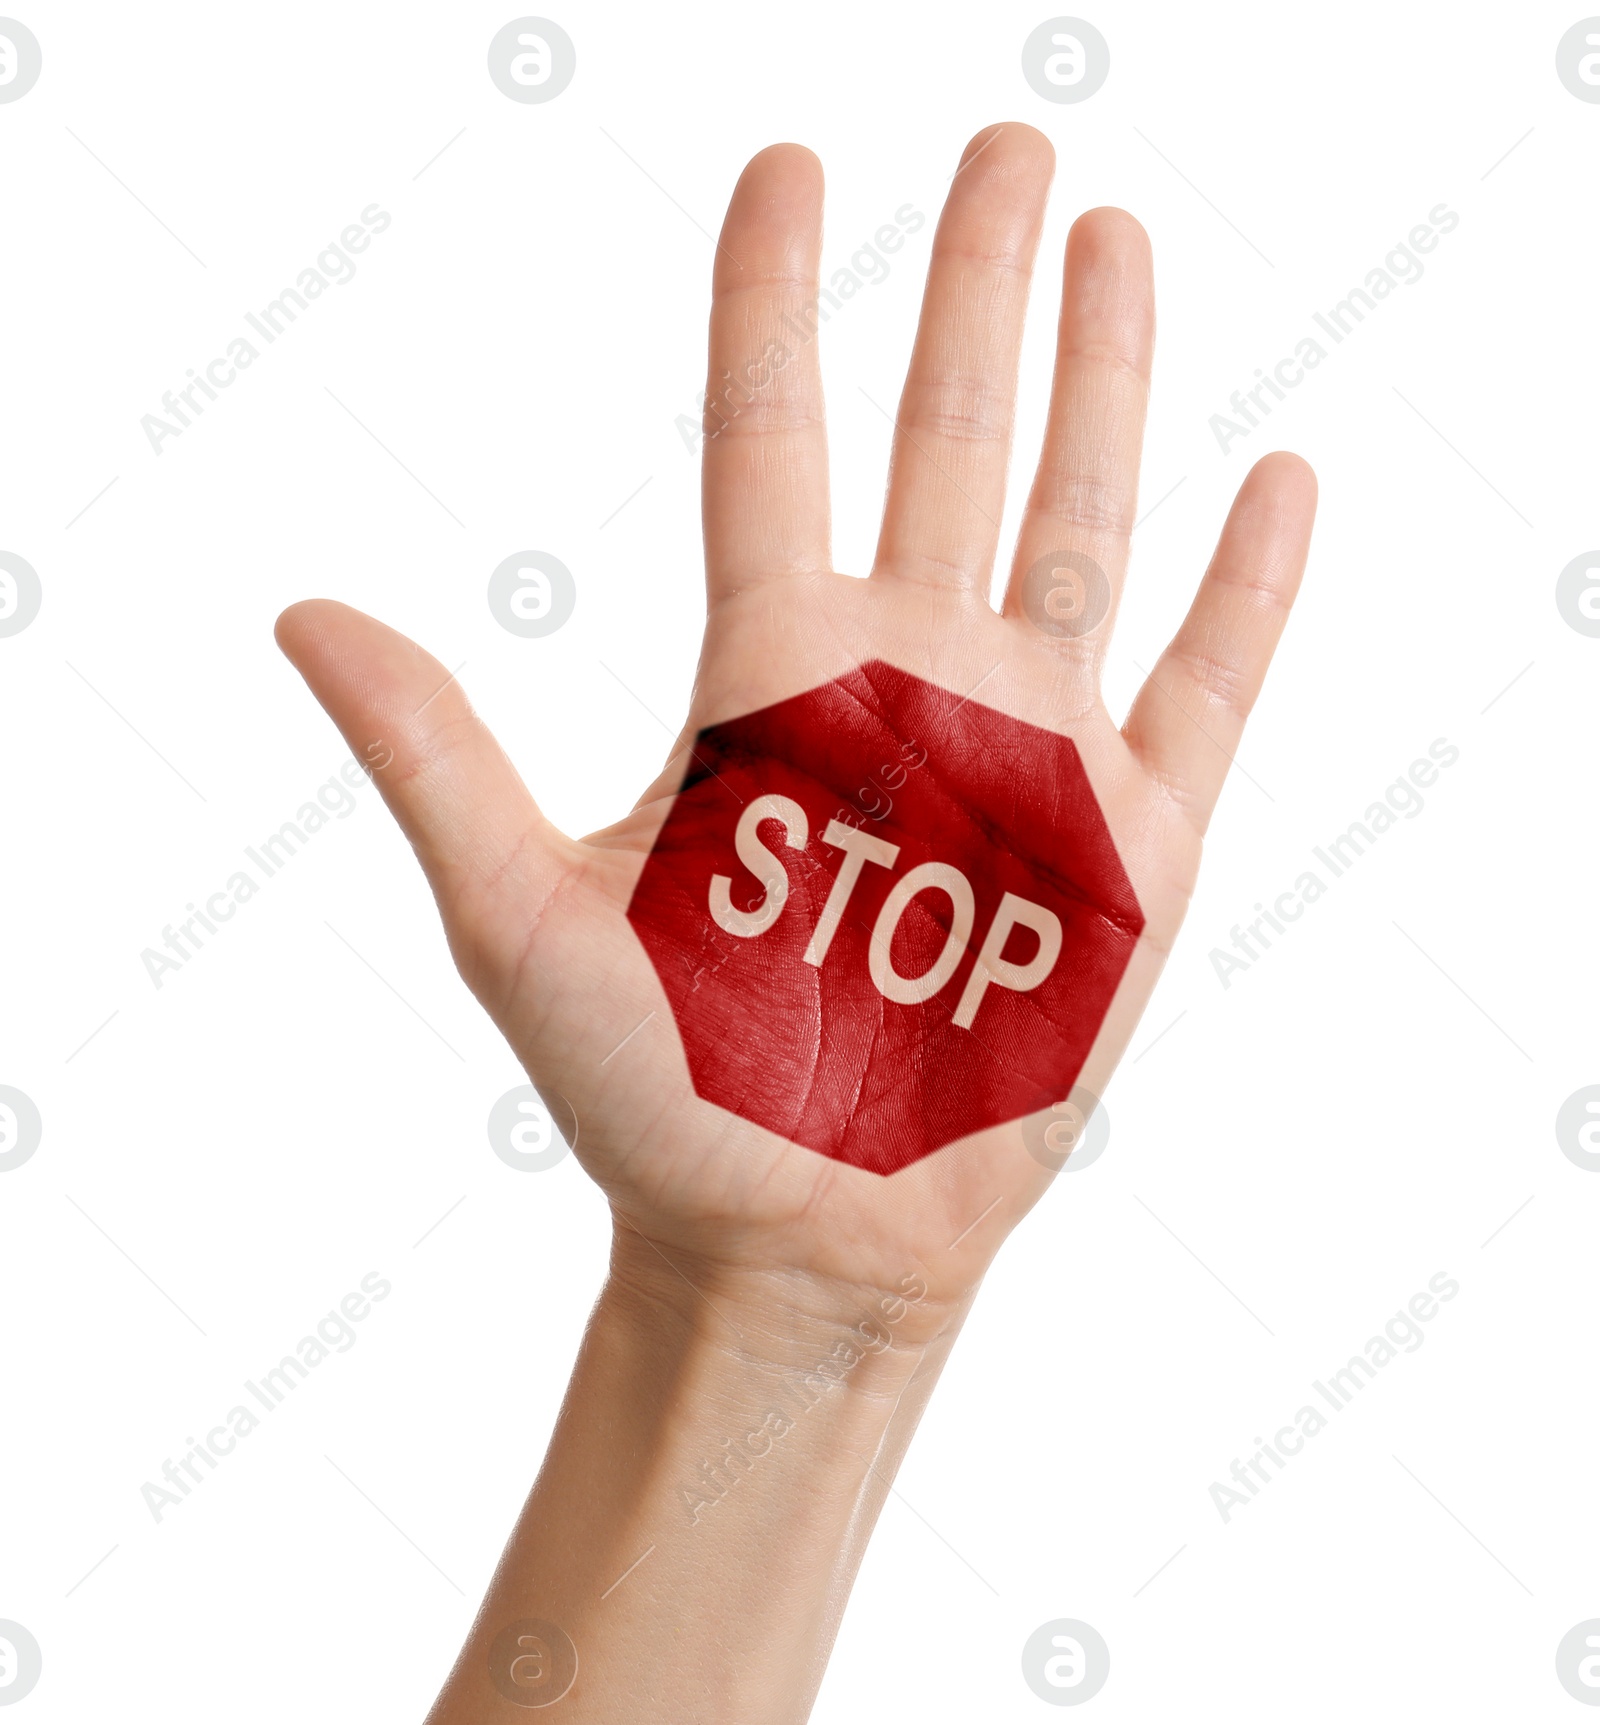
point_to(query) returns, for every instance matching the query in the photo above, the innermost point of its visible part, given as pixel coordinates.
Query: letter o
(910, 991)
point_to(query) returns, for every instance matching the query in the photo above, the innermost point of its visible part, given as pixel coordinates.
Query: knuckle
(761, 414)
(958, 407)
(1219, 682)
(1087, 501)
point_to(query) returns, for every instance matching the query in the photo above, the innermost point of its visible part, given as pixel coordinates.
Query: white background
(1352, 1115)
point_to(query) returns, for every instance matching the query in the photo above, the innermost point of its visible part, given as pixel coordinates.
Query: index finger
(765, 475)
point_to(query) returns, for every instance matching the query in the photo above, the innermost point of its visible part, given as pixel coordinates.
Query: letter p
(992, 968)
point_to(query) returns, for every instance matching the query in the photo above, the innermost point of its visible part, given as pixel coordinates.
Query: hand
(536, 920)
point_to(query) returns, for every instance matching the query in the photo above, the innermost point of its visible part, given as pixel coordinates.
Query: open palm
(536, 920)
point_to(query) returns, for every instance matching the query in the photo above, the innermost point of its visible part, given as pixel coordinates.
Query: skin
(739, 1258)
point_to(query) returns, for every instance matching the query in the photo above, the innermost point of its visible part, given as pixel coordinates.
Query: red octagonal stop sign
(885, 916)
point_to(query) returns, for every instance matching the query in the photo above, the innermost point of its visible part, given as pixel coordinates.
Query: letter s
(762, 863)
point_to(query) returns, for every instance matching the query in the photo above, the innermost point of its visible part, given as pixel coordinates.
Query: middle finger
(947, 474)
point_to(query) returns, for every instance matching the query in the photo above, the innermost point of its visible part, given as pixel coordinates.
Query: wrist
(718, 1414)
(871, 1334)
(781, 1405)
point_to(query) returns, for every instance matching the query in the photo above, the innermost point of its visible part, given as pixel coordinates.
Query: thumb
(492, 859)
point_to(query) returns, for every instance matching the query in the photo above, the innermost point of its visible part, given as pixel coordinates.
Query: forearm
(717, 1468)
